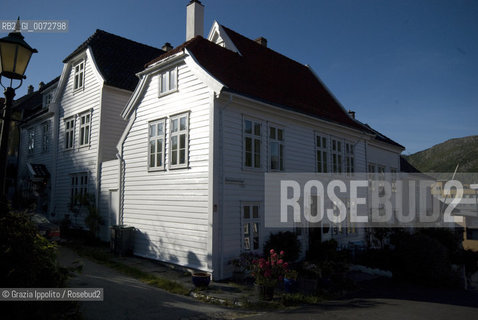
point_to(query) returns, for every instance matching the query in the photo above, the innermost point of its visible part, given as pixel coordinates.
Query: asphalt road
(375, 309)
(128, 298)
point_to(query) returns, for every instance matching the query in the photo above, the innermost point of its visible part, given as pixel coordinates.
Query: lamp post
(15, 54)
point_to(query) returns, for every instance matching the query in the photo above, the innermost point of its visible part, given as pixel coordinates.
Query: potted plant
(201, 280)
(267, 272)
(242, 265)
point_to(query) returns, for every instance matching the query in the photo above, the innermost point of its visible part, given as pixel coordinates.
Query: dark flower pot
(201, 279)
(290, 285)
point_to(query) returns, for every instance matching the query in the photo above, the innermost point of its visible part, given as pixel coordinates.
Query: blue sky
(408, 68)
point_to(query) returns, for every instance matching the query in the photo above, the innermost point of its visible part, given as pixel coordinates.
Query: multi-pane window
(393, 176)
(349, 159)
(168, 81)
(337, 156)
(85, 120)
(251, 223)
(69, 133)
(156, 144)
(276, 145)
(381, 172)
(179, 141)
(45, 138)
(321, 153)
(31, 141)
(79, 75)
(47, 97)
(371, 171)
(252, 144)
(79, 187)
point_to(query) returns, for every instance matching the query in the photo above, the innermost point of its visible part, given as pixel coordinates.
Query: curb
(208, 298)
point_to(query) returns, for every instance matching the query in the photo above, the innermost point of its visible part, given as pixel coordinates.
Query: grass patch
(293, 299)
(106, 258)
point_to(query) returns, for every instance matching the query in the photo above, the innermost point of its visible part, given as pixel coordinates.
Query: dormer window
(47, 98)
(79, 75)
(168, 81)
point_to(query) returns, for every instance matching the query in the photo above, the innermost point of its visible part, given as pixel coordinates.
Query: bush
(27, 260)
(284, 241)
(422, 259)
(324, 251)
(376, 258)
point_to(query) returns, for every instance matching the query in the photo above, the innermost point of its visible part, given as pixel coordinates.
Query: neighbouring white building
(207, 120)
(36, 150)
(79, 123)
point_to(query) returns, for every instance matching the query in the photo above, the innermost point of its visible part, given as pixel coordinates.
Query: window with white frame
(371, 175)
(79, 75)
(381, 172)
(337, 156)
(321, 147)
(371, 171)
(156, 144)
(179, 140)
(45, 136)
(47, 97)
(168, 81)
(393, 177)
(251, 227)
(276, 149)
(252, 144)
(79, 187)
(31, 141)
(85, 120)
(69, 133)
(349, 159)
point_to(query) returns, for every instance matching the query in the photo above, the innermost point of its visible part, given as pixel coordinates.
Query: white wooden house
(96, 82)
(207, 120)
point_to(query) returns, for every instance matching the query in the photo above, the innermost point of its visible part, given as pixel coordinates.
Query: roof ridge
(127, 39)
(96, 34)
(175, 50)
(227, 29)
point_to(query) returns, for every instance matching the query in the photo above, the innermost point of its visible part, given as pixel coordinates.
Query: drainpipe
(221, 183)
(120, 187)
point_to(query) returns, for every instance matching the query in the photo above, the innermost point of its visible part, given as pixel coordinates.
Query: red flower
(272, 251)
(280, 261)
(282, 253)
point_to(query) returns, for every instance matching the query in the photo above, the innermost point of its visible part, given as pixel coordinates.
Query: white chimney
(194, 19)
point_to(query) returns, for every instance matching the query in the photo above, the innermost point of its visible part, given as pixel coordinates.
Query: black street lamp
(15, 54)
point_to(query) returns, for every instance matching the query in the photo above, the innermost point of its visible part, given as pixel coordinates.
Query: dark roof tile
(263, 74)
(118, 58)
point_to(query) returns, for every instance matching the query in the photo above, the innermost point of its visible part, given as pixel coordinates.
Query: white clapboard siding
(169, 208)
(112, 124)
(79, 159)
(380, 156)
(299, 156)
(109, 183)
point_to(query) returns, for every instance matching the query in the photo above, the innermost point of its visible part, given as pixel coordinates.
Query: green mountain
(445, 156)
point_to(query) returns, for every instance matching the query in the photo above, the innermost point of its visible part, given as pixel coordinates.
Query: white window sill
(167, 93)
